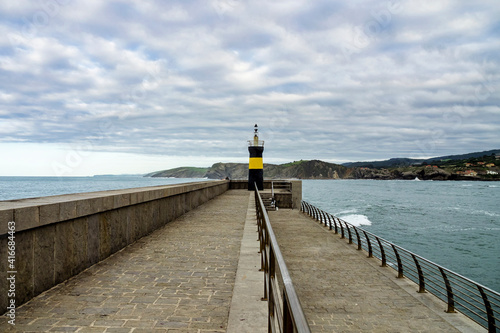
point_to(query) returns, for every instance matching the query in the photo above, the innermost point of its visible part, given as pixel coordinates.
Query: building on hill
(470, 173)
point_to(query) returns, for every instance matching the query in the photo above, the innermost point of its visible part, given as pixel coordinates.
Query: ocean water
(455, 224)
(12, 188)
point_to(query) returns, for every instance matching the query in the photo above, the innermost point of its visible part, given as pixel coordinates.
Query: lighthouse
(255, 164)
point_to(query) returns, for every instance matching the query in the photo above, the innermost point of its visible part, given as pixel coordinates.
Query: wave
(488, 213)
(356, 219)
(347, 211)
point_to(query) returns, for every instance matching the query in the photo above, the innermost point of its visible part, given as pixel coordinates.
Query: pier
(185, 258)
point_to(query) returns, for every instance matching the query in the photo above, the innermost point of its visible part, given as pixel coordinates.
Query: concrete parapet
(296, 194)
(59, 236)
(289, 198)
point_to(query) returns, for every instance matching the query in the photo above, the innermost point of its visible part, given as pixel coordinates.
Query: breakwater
(51, 239)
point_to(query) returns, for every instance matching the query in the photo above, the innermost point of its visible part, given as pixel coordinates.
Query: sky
(99, 87)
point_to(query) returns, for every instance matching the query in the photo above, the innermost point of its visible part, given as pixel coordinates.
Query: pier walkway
(180, 278)
(199, 273)
(341, 290)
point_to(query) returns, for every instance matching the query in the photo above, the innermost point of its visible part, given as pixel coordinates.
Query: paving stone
(340, 289)
(164, 282)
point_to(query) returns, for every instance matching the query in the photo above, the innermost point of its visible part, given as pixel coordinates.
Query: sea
(455, 224)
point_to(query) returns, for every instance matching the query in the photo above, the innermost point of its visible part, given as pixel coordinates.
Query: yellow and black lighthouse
(255, 165)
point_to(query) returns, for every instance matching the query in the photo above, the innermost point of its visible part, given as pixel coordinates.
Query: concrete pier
(58, 237)
(180, 278)
(200, 273)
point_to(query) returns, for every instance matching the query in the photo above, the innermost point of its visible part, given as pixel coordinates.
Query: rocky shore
(316, 169)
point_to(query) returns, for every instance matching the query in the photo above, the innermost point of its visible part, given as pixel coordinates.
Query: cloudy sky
(91, 87)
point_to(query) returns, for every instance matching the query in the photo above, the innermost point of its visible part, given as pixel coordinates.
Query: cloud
(325, 79)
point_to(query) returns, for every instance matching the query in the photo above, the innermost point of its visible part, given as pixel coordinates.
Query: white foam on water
(489, 213)
(348, 211)
(356, 219)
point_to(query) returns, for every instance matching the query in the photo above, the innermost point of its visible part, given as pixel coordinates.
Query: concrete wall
(60, 236)
(296, 194)
(284, 200)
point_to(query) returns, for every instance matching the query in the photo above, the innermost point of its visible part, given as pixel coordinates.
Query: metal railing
(256, 143)
(474, 300)
(285, 312)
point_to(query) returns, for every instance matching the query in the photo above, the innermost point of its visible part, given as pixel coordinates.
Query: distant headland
(473, 166)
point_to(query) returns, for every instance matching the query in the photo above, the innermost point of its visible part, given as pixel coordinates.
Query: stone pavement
(341, 290)
(248, 313)
(178, 279)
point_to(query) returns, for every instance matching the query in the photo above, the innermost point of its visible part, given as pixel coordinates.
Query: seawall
(58, 237)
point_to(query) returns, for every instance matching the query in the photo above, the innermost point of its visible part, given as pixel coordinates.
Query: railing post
(341, 229)
(329, 221)
(271, 300)
(400, 263)
(266, 267)
(382, 252)
(370, 250)
(270, 310)
(349, 232)
(489, 311)
(421, 282)
(316, 213)
(287, 318)
(262, 249)
(359, 238)
(323, 217)
(449, 292)
(335, 224)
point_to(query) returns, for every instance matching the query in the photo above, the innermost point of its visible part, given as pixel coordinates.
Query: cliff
(485, 168)
(182, 172)
(314, 169)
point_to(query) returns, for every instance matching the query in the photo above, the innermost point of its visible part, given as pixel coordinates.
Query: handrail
(285, 312)
(474, 300)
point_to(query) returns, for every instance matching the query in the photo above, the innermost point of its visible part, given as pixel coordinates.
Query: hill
(465, 156)
(390, 163)
(475, 166)
(404, 162)
(182, 172)
(314, 169)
